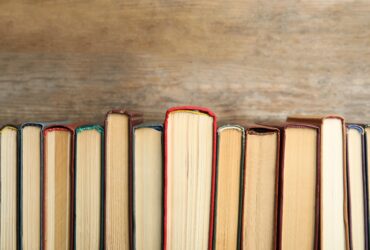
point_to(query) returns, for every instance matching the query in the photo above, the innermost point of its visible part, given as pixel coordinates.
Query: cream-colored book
(57, 180)
(8, 187)
(260, 192)
(118, 213)
(189, 170)
(88, 187)
(31, 186)
(148, 186)
(299, 187)
(357, 185)
(334, 223)
(230, 156)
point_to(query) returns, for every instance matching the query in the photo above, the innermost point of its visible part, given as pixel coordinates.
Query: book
(334, 223)
(229, 184)
(58, 197)
(31, 184)
(260, 201)
(189, 177)
(147, 186)
(367, 168)
(8, 187)
(299, 186)
(88, 176)
(357, 190)
(118, 178)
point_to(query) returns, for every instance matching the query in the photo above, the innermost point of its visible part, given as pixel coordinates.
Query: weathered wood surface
(245, 59)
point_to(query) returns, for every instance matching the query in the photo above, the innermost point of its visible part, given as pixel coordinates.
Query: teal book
(88, 187)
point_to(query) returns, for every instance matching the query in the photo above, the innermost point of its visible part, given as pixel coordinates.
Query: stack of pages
(188, 182)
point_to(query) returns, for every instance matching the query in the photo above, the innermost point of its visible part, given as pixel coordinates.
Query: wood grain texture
(245, 59)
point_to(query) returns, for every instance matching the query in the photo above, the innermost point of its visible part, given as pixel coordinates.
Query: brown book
(118, 178)
(357, 190)
(298, 223)
(8, 187)
(334, 226)
(58, 187)
(229, 179)
(260, 200)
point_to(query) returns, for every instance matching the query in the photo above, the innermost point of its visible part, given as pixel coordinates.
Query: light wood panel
(245, 59)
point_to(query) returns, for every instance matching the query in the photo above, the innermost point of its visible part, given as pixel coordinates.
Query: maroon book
(134, 118)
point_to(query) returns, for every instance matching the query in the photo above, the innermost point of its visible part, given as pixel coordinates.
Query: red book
(58, 186)
(189, 177)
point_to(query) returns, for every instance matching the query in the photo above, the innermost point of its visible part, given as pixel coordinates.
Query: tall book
(8, 187)
(229, 182)
(334, 224)
(58, 187)
(357, 190)
(88, 176)
(118, 178)
(298, 221)
(189, 177)
(147, 186)
(260, 200)
(31, 184)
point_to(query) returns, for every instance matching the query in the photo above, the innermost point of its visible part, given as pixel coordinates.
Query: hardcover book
(118, 178)
(334, 222)
(31, 184)
(8, 187)
(357, 190)
(260, 201)
(58, 197)
(189, 177)
(229, 186)
(299, 186)
(88, 177)
(147, 186)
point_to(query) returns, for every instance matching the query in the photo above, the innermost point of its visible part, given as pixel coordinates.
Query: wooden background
(245, 59)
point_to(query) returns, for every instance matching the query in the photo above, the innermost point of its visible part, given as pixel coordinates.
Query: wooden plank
(245, 59)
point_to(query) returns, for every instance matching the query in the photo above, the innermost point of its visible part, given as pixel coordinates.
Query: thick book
(88, 179)
(189, 177)
(229, 186)
(118, 178)
(334, 222)
(8, 187)
(299, 186)
(57, 200)
(260, 191)
(357, 189)
(31, 184)
(147, 186)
